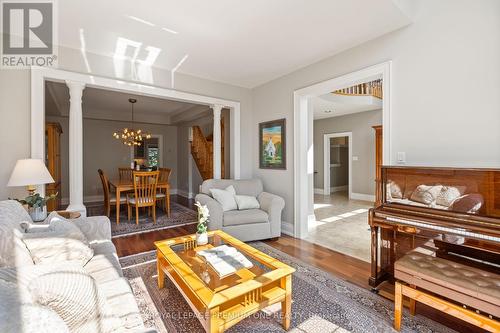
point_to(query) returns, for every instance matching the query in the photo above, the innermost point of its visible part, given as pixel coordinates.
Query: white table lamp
(30, 172)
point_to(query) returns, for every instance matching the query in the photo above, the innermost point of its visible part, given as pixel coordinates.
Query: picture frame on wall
(272, 144)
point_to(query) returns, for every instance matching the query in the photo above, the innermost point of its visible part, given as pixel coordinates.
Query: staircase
(373, 88)
(202, 149)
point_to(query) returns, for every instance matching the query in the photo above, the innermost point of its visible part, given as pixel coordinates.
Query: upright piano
(453, 213)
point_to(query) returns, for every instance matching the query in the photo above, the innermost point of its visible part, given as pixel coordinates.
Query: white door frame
(41, 74)
(326, 161)
(303, 147)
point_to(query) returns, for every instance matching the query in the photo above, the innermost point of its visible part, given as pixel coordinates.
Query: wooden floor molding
(348, 268)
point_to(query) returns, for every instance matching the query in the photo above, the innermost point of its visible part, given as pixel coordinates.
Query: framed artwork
(272, 144)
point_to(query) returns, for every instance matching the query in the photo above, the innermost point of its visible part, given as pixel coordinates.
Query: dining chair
(125, 173)
(164, 193)
(145, 183)
(109, 200)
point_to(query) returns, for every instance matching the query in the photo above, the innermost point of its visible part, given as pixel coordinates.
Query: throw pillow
(246, 202)
(426, 194)
(469, 203)
(56, 246)
(26, 317)
(395, 190)
(62, 225)
(225, 198)
(449, 194)
(231, 189)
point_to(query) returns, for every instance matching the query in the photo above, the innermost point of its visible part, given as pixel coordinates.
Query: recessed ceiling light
(135, 18)
(169, 30)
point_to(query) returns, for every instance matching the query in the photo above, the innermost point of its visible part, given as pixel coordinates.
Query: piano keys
(454, 212)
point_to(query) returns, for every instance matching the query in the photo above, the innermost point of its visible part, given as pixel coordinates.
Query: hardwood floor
(340, 265)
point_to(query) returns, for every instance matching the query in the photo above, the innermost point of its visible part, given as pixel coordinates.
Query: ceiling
(245, 43)
(113, 105)
(333, 105)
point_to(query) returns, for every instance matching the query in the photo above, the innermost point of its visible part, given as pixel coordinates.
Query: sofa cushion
(120, 297)
(26, 317)
(66, 289)
(251, 187)
(240, 217)
(13, 252)
(225, 198)
(76, 298)
(104, 267)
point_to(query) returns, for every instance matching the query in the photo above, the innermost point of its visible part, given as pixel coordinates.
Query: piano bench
(467, 285)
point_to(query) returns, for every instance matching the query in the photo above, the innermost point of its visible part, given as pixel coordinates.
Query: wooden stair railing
(202, 151)
(373, 88)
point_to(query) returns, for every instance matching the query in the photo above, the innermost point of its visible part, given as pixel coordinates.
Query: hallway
(341, 225)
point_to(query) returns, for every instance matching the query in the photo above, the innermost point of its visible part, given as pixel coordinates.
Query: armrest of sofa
(95, 228)
(215, 211)
(272, 205)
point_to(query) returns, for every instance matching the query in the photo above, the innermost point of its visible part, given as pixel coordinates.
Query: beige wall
(14, 126)
(445, 79)
(15, 106)
(363, 146)
(102, 151)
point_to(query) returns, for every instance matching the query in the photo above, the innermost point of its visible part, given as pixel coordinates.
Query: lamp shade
(30, 172)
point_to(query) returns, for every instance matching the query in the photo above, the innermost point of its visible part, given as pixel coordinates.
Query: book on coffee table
(225, 260)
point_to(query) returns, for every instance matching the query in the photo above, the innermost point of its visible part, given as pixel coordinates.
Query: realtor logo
(29, 34)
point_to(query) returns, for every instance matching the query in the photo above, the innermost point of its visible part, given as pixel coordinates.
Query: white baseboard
(338, 188)
(185, 194)
(332, 189)
(87, 198)
(319, 191)
(287, 228)
(362, 196)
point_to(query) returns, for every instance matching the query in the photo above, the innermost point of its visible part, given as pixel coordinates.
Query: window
(153, 155)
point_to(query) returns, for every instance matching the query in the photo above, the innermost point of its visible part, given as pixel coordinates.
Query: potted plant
(36, 203)
(201, 228)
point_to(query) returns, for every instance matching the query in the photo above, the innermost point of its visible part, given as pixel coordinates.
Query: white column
(217, 141)
(76, 147)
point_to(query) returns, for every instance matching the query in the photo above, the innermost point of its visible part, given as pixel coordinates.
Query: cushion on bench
(462, 283)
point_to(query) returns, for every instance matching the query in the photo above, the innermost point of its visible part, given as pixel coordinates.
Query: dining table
(125, 185)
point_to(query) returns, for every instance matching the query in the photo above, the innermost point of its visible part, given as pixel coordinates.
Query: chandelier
(130, 136)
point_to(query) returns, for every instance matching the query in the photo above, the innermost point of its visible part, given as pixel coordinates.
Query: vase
(201, 239)
(37, 214)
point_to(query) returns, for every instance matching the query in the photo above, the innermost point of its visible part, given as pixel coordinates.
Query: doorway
(303, 136)
(337, 152)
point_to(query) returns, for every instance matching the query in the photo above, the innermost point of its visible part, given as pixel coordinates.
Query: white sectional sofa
(102, 271)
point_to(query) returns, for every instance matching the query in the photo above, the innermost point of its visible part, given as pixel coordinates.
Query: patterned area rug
(321, 303)
(179, 215)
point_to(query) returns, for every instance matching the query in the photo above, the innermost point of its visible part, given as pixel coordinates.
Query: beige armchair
(249, 224)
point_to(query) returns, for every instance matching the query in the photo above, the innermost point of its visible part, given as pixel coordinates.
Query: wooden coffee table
(220, 303)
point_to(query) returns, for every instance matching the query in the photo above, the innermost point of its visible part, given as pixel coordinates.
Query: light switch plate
(401, 157)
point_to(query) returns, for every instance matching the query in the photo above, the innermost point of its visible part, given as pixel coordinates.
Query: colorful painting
(272, 145)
